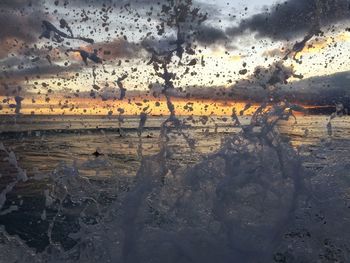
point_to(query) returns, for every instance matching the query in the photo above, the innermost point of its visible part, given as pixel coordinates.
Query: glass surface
(178, 131)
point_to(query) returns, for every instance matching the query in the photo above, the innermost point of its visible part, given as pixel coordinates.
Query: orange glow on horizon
(131, 106)
(128, 106)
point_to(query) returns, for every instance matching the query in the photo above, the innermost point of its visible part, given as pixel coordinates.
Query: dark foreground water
(90, 189)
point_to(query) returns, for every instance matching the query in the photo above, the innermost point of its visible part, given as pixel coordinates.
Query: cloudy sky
(244, 50)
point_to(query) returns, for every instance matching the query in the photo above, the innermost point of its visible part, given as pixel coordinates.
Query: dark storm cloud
(209, 35)
(315, 91)
(289, 19)
(114, 2)
(20, 27)
(20, 19)
(20, 22)
(322, 90)
(19, 4)
(206, 35)
(43, 70)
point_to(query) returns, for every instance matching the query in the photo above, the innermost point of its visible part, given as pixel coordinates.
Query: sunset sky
(238, 38)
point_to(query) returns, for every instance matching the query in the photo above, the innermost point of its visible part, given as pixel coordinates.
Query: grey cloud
(18, 26)
(315, 91)
(21, 24)
(42, 70)
(292, 18)
(322, 90)
(209, 35)
(139, 3)
(19, 4)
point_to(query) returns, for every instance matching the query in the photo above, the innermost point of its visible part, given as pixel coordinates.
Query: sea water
(229, 198)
